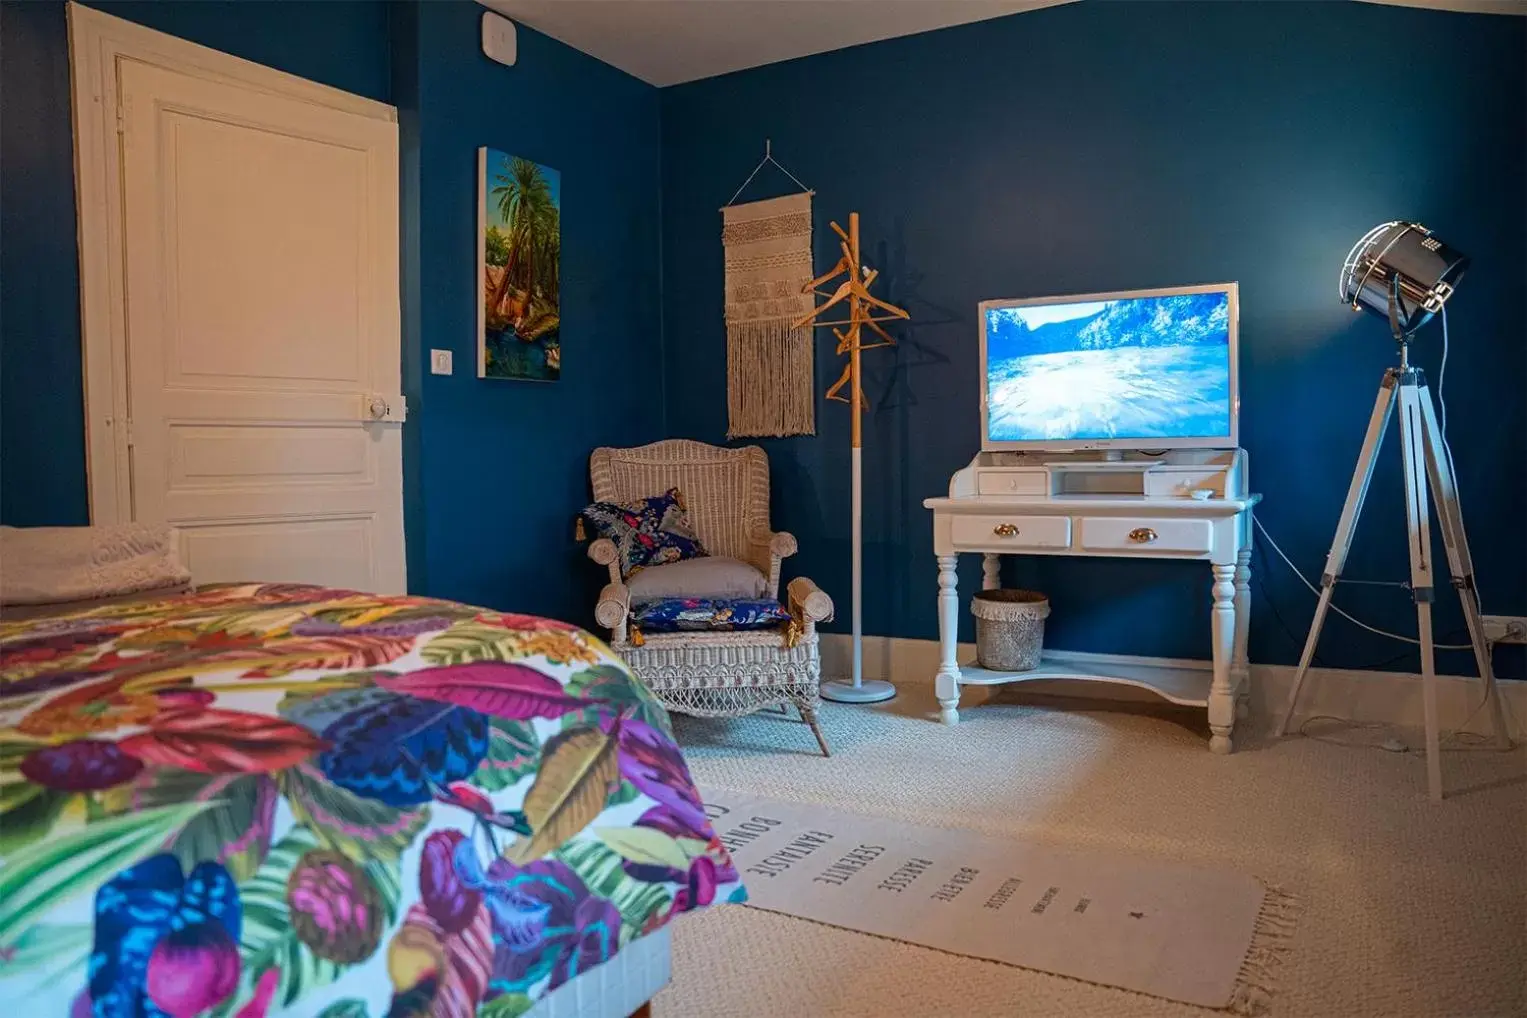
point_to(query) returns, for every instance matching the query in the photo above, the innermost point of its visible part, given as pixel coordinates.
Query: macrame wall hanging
(769, 356)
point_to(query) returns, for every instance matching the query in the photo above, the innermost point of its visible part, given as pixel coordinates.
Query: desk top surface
(1113, 505)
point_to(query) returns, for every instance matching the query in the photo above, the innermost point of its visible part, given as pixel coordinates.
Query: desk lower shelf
(1186, 686)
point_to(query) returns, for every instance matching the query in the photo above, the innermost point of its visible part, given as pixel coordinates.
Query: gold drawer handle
(1005, 530)
(1142, 535)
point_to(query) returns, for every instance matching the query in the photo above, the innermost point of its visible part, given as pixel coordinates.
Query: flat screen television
(1140, 369)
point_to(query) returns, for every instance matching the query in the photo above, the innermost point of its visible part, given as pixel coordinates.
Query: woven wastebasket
(1010, 628)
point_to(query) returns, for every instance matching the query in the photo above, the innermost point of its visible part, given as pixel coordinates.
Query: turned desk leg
(991, 570)
(946, 684)
(1222, 629)
(1240, 665)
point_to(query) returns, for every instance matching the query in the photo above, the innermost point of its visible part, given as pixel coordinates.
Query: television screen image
(1133, 368)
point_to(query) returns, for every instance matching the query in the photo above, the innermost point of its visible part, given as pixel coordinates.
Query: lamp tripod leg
(1308, 655)
(1422, 576)
(1336, 560)
(1429, 701)
(1439, 469)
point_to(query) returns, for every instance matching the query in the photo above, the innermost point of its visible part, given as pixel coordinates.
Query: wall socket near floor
(1505, 628)
(440, 362)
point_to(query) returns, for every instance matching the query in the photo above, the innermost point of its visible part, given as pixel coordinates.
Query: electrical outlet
(440, 362)
(1505, 628)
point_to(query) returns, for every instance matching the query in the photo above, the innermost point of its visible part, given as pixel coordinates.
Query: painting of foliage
(519, 222)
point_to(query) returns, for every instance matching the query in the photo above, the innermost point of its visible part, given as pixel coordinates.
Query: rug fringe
(1271, 939)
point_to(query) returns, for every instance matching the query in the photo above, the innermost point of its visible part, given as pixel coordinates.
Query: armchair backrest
(726, 491)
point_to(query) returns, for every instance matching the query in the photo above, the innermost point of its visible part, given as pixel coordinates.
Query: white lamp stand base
(867, 691)
(1428, 471)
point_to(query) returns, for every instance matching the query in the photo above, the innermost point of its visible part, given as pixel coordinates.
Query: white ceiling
(665, 42)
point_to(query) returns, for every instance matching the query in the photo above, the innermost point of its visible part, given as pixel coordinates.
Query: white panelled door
(261, 268)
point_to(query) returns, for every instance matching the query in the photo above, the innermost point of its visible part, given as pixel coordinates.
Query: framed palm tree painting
(519, 253)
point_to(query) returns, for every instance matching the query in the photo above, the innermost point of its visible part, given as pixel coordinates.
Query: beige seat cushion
(713, 576)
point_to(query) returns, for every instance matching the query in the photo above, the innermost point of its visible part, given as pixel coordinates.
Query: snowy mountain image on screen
(1144, 367)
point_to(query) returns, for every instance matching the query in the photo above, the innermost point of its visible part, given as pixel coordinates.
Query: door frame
(98, 44)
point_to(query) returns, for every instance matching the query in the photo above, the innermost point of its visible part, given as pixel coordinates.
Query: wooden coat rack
(864, 309)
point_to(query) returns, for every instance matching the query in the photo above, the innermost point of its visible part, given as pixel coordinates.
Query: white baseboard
(1390, 697)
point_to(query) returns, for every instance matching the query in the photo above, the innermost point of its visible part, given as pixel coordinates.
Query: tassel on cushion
(793, 632)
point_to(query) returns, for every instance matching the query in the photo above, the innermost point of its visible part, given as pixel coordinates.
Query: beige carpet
(1411, 909)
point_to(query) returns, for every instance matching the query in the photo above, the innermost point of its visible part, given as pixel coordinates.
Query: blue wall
(1092, 146)
(494, 471)
(1115, 146)
(42, 416)
(42, 426)
(503, 466)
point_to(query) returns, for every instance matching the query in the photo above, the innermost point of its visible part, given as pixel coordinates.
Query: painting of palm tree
(519, 219)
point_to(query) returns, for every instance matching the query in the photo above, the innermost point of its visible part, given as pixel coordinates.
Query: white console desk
(1141, 507)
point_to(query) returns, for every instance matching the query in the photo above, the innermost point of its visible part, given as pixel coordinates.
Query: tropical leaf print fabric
(273, 799)
(647, 532)
(700, 614)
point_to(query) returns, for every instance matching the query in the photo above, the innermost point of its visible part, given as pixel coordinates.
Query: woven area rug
(768, 360)
(1200, 936)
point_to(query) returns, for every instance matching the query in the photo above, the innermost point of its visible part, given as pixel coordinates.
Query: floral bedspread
(268, 799)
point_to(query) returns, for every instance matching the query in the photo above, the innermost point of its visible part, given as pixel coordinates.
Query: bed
(279, 799)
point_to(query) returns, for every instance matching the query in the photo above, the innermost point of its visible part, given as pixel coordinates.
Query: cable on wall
(1448, 452)
(1455, 737)
(1335, 608)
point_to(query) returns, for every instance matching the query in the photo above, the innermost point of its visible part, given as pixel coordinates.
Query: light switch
(440, 362)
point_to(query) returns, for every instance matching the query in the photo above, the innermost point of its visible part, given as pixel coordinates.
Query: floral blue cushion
(685, 614)
(647, 532)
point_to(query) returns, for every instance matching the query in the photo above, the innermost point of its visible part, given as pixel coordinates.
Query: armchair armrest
(604, 552)
(782, 544)
(768, 548)
(808, 602)
(613, 609)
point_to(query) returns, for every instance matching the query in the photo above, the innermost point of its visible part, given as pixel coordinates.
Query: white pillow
(711, 576)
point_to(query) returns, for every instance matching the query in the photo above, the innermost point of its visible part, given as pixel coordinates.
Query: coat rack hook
(768, 148)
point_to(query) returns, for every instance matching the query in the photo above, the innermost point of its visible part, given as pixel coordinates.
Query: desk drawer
(1012, 482)
(1148, 537)
(994, 532)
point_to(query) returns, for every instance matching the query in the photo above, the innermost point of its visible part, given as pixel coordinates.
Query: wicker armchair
(725, 674)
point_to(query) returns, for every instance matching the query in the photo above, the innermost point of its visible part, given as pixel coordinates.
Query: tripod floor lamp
(1401, 272)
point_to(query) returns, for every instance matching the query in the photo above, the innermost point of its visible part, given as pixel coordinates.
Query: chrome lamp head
(1402, 273)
